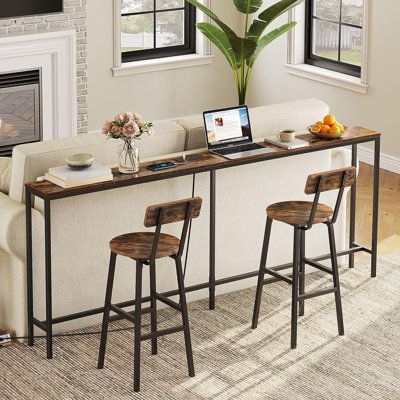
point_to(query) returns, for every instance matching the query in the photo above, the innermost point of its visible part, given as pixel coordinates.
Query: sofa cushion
(33, 160)
(265, 120)
(5, 174)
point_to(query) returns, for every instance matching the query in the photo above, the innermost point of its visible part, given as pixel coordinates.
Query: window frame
(189, 46)
(321, 62)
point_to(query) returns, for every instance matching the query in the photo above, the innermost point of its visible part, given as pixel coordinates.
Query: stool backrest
(174, 211)
(167, 213)
(330, 180)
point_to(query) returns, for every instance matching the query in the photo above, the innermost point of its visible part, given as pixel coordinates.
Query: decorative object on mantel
(328, 128)
(80, 161)
(128, 127)
(241, 52)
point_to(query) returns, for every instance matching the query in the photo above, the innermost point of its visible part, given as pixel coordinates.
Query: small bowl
(329, 135)
(80, 161)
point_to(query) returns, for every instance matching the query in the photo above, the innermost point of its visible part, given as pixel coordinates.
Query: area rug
(231, 360)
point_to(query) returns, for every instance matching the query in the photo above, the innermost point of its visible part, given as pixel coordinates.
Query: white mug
(286, 135)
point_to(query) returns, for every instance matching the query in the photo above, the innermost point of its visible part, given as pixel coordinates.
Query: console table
(201, 162)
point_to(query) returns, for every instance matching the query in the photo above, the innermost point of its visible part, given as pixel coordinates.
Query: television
(20, 8)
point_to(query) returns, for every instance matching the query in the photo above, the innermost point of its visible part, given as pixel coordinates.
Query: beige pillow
(5, 174)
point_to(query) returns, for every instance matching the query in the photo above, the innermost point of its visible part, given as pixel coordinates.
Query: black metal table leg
(212, 241)
(138, 326)
(49, 305)
(29, 272)
(302, 275)
(107, 309)
(295, 286)
(374, 248)
(353, 198)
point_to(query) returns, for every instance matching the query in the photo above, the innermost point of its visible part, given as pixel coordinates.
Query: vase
(128, 157)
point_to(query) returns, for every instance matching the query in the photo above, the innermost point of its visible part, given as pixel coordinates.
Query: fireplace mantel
(54, 53)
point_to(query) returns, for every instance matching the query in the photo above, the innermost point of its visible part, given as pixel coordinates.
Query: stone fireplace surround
(68, 32)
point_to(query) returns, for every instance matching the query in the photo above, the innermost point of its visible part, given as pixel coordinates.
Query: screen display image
(19, 8)
(227, 126)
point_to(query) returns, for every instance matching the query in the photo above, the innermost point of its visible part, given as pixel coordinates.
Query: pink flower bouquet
(127, 126)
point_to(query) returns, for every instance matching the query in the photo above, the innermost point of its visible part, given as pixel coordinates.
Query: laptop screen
(227, 126)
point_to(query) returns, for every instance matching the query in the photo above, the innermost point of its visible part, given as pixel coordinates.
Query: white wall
(156, 95)
(379, 109)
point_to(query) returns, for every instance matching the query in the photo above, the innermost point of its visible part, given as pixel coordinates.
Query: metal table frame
(47, 325)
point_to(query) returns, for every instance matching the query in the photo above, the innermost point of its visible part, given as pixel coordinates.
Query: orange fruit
(335, 130)
(316, 128)
(329, 120)
(325, 128)
(319, 123)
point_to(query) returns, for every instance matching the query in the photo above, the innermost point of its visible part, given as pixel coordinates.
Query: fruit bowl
(328, 135)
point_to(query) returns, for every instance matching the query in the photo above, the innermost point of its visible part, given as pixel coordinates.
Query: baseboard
(388, 163)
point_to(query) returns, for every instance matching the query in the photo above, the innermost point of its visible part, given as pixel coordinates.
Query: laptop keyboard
(238, 148)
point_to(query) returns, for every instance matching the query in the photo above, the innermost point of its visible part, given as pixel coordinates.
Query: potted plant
(127, 127)
(242, 52)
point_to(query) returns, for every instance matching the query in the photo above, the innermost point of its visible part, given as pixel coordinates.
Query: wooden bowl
(329, 135)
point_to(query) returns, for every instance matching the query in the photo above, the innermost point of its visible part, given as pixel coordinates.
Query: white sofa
(82, 226)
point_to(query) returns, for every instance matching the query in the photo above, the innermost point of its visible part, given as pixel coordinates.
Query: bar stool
(302, 215)
(145, 248)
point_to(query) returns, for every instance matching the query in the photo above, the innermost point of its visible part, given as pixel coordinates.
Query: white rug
(231, 360)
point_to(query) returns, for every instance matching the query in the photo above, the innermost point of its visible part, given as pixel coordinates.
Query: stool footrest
(130, 316)
(278, 275)
(162, 332)
(168, 302)
(318, 266)
(316, 294)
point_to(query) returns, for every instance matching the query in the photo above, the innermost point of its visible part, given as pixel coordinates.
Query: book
(81, 182)
(68, 174)
(294, 144)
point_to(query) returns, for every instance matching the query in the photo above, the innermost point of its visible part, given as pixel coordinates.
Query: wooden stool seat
(302, 215)
(297, 213)
(138, 245)
(145, 248)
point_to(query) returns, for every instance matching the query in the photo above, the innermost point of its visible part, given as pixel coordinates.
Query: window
(334, 35)
(156, 28)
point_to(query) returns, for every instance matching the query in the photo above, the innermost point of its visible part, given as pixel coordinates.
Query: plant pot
(128, 158)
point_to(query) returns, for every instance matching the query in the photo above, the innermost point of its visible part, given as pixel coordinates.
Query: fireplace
(20, 109)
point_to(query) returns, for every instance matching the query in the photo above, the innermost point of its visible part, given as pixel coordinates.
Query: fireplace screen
(19, 111)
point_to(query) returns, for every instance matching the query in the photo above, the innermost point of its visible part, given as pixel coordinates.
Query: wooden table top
(197, 163)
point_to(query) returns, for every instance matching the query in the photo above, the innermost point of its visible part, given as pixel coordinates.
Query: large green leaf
(276, 10)
(269, 15)
(219, 38)
(248, 6)
(242, 47)
(267, 39)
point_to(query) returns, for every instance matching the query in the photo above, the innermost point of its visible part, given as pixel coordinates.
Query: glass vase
(128, 157)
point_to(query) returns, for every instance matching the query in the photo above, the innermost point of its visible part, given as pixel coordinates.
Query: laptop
(228, 133)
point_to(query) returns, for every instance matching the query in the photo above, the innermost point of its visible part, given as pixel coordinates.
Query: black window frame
(189, 46)
(322, 62)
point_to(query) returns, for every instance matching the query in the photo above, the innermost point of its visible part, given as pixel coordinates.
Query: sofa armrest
(12, 226)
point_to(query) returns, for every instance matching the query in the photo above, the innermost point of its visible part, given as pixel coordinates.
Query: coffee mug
(287, 135)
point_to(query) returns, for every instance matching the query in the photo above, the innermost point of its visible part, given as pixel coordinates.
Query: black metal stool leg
(260, 282)
(295, 286)
(335, 270)
(138, 325)
(106, 314)
(185, 318)
(302, 275)
(153, 306)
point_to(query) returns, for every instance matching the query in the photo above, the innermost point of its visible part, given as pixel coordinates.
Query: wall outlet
(5, 339)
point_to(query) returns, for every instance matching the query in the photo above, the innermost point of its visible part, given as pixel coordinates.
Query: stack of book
(67, 177)
(294, 144)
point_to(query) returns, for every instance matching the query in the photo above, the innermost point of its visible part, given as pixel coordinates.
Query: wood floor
(389, 210)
